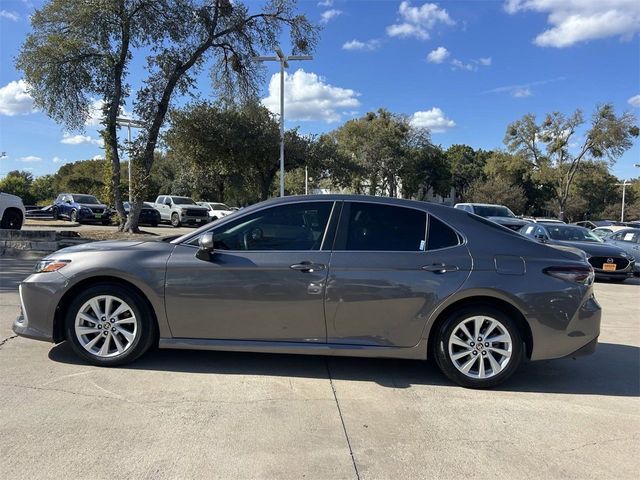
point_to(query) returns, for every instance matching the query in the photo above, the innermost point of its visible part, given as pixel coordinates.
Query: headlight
(44, 266)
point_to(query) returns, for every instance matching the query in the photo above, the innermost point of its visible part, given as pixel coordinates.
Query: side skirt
(417, 352)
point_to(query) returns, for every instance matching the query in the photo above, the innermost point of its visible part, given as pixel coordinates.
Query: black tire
(446, 364)
(146, 334)
(175, 220)
(56, 215)
(154, 224)
(12, 219)
(74, 216)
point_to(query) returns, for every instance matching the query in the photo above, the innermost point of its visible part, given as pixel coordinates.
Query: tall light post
(624, 191)
(129, 123)
(284, 63)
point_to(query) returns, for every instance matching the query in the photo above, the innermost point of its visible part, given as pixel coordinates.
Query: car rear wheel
(109, 325)
(175, 220)
(479, 347)
(55, 213)
(12, 219)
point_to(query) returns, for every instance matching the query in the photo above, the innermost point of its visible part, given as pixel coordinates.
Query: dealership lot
(231, 415)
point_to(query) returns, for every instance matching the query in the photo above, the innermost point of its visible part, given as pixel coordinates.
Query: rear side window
(440, 235)
(383, 228)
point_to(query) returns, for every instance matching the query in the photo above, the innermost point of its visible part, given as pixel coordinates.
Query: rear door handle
(440, 268)
(308, 267)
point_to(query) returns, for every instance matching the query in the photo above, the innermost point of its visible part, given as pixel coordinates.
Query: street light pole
(624, 191)
(128, 122)
(284, 63)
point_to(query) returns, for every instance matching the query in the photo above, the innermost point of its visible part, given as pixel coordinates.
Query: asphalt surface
(181, 414)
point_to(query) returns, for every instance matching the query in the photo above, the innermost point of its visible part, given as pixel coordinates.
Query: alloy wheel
(480, 347)
(106, 326)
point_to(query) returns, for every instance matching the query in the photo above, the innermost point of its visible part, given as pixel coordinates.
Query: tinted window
(183, 201)
(440, 235)
(299, 226)
(375, 227)
(571, 233)
(87, 199)
(492, 211)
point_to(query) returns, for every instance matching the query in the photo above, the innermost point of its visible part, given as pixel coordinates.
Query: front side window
(377, 227)
(298, 226)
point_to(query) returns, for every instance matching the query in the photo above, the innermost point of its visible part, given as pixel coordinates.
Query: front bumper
(40, 295)
(194, 220)
(93, 217)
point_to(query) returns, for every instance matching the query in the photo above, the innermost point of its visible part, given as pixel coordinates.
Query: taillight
(576, 273)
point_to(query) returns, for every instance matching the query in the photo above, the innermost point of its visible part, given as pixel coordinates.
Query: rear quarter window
(440, 235)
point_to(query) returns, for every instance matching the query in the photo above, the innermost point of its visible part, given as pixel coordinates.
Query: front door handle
(440, 268)
(308, 267)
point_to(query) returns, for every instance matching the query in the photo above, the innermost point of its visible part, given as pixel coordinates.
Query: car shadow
(613, 370)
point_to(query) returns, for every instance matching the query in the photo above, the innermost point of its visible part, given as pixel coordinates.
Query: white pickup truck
(181, 211)
(12, 211)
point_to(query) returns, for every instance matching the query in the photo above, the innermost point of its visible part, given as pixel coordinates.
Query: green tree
(426, 168)
(78, 49)
(466, 165)
(497, 190)
(79, 52)
(18, 182)
(43, 189)
(607, 137)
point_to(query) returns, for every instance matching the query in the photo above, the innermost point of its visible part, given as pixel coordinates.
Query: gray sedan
(331, 275)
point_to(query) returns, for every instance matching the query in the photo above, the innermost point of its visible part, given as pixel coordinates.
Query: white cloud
(438, 55)
(30, 158)
(69, 139)
(522, 92)
(325, 3)
(417, 21)
(472, 66)
(308, 97)
(13, 16)
(14, 99)
(325, 17)
(460, 65)
(575, 21)
(434, 119)
(634, 101)
(97, 157)
(368, 46)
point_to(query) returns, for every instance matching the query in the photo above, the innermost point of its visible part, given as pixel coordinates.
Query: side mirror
(167, 202)
(541, 237)
(68, 201)
(205, 249)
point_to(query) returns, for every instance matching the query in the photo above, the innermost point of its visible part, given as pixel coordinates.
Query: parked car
(149, 215)
(12, 211)
(591, 224)
(79, 207)
(326, 274)
(42, 212)
(628, 239)
(542, 220)
(496, 213)
(181, 210)
(608, 262)
(602, 232)
(216, 210)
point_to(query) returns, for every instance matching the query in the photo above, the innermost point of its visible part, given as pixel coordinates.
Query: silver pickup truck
(180, 211)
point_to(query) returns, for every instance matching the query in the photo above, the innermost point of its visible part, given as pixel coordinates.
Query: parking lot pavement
(230, 415)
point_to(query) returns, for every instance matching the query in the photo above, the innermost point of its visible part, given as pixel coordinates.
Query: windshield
(492, 211)
(88, 199)
(571, 234)
(183, 201)
(219, 206)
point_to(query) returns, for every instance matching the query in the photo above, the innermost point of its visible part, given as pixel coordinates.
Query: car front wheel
(175, 220)
(109, 325)
(479, 347)
(74, 216)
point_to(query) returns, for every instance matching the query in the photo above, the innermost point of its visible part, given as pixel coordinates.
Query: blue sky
(465, 69)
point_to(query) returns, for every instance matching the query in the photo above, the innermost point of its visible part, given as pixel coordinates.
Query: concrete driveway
(180, 414)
